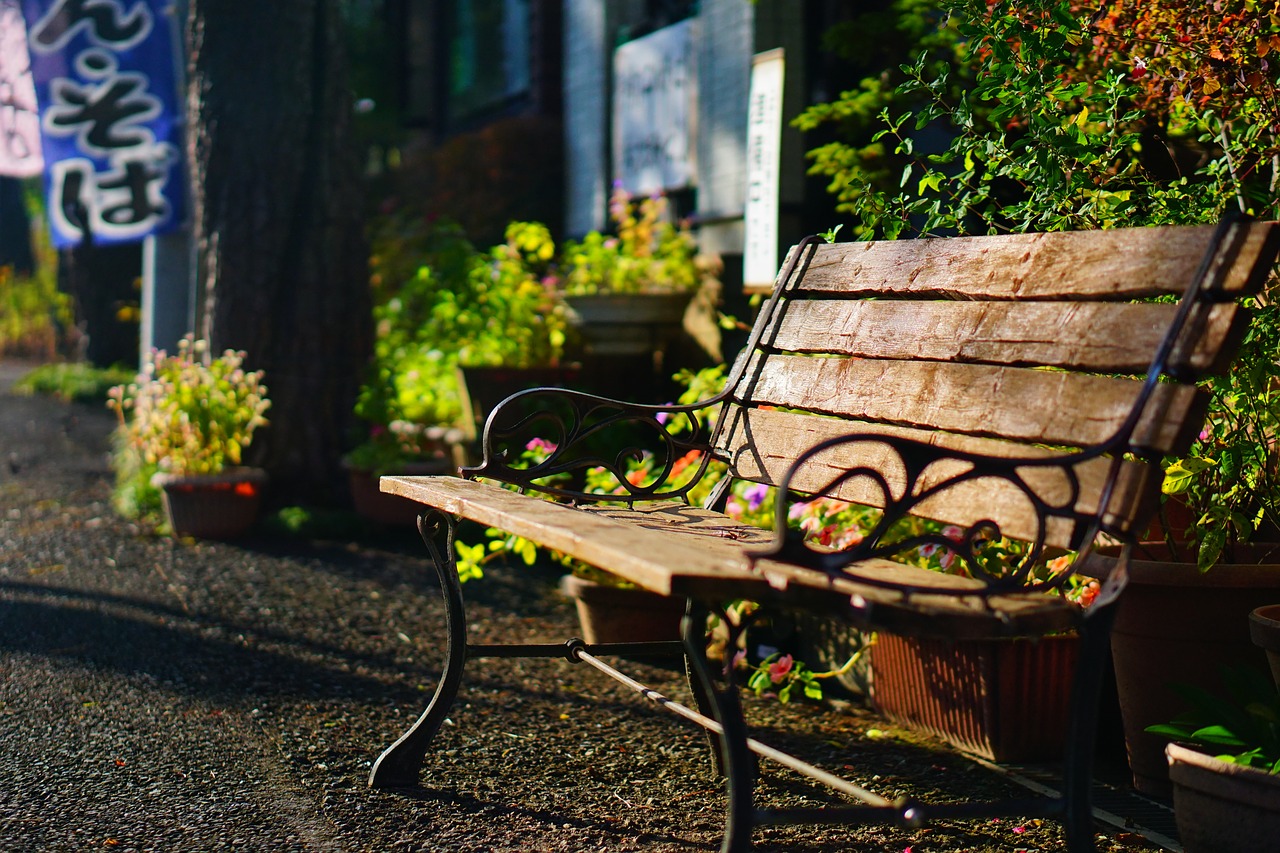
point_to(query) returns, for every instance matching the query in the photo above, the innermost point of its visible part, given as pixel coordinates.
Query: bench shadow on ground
(210, 658)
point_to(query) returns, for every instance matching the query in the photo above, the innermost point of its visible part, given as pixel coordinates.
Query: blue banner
(110, 117)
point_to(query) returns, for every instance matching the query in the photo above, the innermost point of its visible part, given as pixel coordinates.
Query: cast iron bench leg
(399, 765)
(736, 760)
(1082, 729)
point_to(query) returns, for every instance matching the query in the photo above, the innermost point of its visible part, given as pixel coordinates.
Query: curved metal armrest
(905, 473)
(552, 440)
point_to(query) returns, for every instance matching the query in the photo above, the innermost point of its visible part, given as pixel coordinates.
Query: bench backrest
(1017, 345)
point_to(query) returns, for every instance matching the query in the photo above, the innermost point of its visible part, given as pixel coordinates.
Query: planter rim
(576, 587)
(1184, 573)
(1202, 772)
(403, 468)
(1264, 627)
(1268, 615)
(239, 474)
(647, 295)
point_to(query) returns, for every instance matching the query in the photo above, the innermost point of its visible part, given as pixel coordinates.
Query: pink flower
(540, 444)
(739, 658)
(778, 669)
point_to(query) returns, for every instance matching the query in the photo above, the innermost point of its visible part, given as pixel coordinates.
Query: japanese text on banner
(19, 119)
(109, 116)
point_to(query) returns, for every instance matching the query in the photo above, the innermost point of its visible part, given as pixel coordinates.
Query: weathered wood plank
(1103, 337)
(1050, 407)
(761, 445)
(1123, 263)
(675, 549)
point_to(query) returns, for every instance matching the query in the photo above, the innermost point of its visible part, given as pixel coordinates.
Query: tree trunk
(278, 227)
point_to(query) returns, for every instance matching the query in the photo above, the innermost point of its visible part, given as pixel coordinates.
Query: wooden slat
(1121, 263)
(761, 445)
(1044, 406)
(1103, 337)
(674, 549)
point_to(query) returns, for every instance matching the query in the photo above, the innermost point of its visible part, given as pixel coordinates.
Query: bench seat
(686, 551)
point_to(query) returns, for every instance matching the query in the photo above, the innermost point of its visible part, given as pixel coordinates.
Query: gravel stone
(160, 695)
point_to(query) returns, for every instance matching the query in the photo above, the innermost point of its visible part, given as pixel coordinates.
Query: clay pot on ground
(613, 614)
(1222, 807)
(385, 510)
(1177, 625)
(1264, 629)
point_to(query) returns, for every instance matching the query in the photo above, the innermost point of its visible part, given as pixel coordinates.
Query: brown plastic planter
(1003, 700)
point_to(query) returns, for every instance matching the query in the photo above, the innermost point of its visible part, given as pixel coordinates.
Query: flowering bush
(1045, 115)
(648, 255)
(442, 304)
(184, 415)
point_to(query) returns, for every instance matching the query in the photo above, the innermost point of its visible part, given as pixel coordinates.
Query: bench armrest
(912, 478)
(561, 442)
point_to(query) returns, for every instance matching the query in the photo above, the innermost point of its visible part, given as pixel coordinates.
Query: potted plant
(1224, 761)
(629, 292)
(184, 423)
(445, 315)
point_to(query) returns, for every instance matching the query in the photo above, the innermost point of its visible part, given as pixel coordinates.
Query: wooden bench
(1022, 386)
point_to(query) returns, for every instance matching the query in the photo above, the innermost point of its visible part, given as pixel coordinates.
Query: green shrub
(73, 381)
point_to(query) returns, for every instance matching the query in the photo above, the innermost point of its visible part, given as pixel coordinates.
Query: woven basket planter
(212, 506)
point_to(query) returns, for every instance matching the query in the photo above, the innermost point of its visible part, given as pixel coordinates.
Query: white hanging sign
(764, 144)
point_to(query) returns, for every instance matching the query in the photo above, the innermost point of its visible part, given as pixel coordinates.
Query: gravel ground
(184, 696)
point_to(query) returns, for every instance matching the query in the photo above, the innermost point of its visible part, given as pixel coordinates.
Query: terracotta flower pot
(212, 506)
(1177, 625)
(1004, 700)
(371, 504)
(1222, 807)
(610, 614)
(1264, 628)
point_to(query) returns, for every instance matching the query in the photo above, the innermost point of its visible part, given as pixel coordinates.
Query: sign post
(764, 143)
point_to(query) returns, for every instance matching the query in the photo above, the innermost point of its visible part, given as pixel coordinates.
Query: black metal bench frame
(719, 707)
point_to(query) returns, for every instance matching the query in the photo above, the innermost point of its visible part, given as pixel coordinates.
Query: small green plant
(73, 381)
(184, 414)
(1241, 729)
(35, 316)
